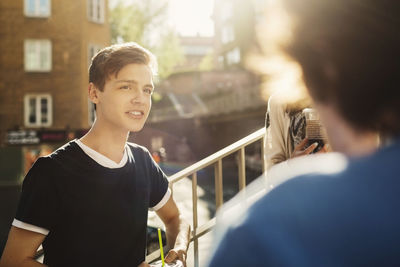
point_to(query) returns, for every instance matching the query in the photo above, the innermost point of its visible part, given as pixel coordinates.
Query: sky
(191, 17)
(187, 17)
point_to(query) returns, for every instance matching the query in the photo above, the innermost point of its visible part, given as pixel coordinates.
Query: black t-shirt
(96, 216)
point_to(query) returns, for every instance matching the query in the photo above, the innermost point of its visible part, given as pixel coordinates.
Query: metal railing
(216, 160)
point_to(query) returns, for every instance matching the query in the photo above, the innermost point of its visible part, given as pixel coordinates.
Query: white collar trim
(100, 158)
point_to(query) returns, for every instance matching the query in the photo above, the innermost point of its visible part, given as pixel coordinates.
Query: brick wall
(70, 33)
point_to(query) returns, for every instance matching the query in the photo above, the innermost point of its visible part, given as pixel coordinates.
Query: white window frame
(36, 62)
(227, 34)
(233, 56)
(92, 51)
(91, 112)
(226, 11)
(38, 122)
(38, 11)
(96, 10)
(156, 143)
(196, 50)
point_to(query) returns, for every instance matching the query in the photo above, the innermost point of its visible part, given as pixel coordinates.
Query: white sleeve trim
(30, 227)
(163, 201)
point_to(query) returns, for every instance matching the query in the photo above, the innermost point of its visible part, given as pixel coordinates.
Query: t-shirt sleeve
(159, 191)
(38, 201)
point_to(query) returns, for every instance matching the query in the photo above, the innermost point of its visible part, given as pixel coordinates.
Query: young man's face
(125, 101)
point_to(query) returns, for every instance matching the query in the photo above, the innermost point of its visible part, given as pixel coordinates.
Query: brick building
(45, 51)
(195, 48)
(234, 27)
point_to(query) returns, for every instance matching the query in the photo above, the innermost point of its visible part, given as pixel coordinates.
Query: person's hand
(301, 150)
(144, 264)
(326, 148)
(176, 254)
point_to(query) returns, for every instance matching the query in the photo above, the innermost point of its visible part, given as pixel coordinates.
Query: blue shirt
(348, 218)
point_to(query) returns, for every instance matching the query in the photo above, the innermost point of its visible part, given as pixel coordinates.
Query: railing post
(171, 187)
(218, 184)
(195, 220)
(242, 168)
(216, 160)
(264, 167)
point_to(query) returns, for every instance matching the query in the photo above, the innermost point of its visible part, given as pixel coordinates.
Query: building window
(37, 55)
(227, 34)
(259, 6)
(156, 143)
(220, 60)
(92, 112)
(96, 10)
(226, 11)
(196, 50)
(92, 51)
(37, 8)
(38, 110)
(233, 56)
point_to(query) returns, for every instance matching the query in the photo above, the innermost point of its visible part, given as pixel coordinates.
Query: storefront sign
(22, 137)
(52, 136)
(32, 137)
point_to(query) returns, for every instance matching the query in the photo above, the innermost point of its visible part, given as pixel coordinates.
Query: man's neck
(344, 138)
(360, 144)
(108, 142)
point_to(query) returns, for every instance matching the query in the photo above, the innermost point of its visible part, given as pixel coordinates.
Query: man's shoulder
(334, 180)
(279, 186)
(65, 150)
(140, 153)
(313, 165)
(313, 181)
(66, 156)
(136, 147)
(301, 208)
(45, 166)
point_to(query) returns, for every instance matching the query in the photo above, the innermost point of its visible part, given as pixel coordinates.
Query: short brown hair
(112, 59)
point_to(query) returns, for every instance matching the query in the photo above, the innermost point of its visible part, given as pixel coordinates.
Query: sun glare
(191, 17)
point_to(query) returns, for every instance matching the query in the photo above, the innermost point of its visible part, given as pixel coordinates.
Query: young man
(87, 202)
(348, 51)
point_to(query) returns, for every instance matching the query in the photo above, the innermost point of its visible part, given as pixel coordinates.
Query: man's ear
(93, 93)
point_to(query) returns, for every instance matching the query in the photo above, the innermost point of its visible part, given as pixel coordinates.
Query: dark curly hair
(349, 53)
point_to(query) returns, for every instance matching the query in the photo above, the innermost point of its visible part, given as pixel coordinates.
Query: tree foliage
(143, 22)
(207, 62)
(170, 52)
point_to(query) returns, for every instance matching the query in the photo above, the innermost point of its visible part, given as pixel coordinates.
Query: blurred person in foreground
(87, 202)
(348, 52)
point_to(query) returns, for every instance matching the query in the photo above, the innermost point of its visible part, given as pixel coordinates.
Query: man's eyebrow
(126, 81)
(135, 82)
